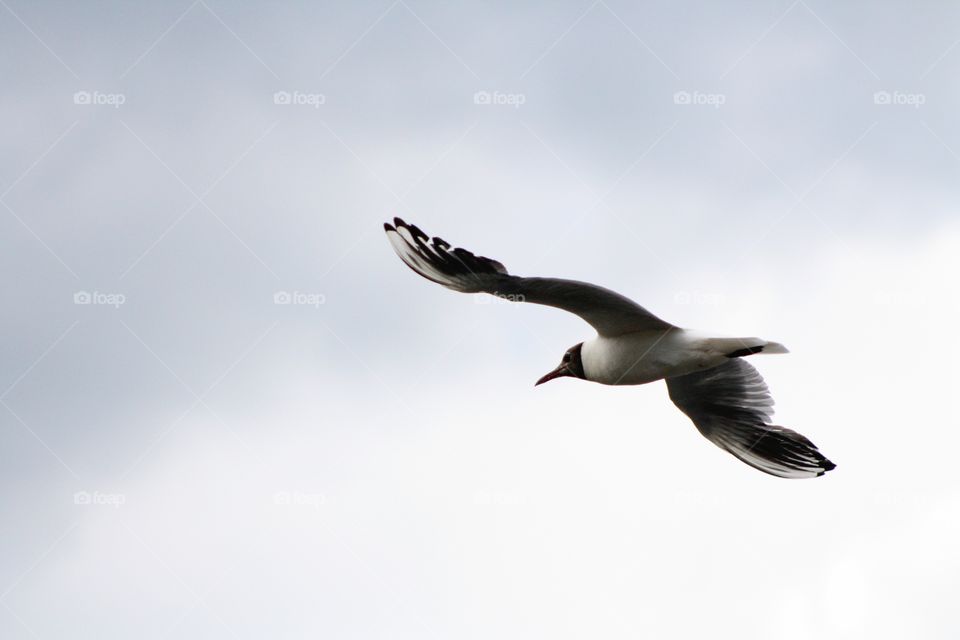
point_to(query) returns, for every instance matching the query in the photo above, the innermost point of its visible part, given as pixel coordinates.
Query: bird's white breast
(641, 357)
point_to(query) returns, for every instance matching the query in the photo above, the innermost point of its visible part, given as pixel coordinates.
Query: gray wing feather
(731, 406)
(608, 312)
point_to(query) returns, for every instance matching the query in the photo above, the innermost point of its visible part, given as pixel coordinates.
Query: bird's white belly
(638, 358)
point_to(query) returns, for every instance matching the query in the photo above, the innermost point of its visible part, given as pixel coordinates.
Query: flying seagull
(707, 378)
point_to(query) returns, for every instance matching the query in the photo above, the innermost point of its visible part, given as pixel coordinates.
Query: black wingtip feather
(417, 233)
(787, 448)
(827, 466)
(436, 261)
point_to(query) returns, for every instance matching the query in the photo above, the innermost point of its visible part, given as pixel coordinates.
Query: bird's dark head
(571, 366)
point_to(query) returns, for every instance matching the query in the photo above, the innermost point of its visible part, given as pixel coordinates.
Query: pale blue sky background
(376, 463)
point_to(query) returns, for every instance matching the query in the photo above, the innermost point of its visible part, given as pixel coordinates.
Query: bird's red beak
(559, 372)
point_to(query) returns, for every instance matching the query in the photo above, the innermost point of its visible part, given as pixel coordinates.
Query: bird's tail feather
(740, 347)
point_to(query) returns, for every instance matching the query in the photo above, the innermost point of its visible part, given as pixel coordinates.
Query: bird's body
(646, 356)
(706, 376)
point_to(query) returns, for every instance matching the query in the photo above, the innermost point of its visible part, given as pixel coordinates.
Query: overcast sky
(229, 411)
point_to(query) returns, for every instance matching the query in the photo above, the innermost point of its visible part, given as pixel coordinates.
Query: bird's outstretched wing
(731, 406)
(610, 313)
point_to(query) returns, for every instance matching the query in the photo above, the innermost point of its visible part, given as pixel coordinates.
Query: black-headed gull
(706, 377)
